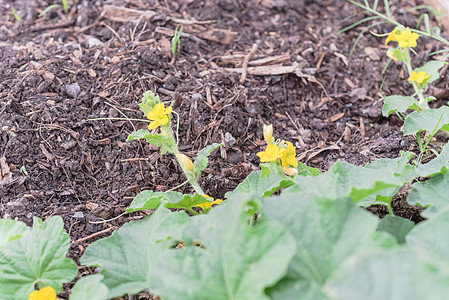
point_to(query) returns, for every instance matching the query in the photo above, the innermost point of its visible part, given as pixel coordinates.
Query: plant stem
(390, 209)
(408, 63)
(191, 179)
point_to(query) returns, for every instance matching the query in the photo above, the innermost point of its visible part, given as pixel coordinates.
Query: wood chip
(123, 14)
(336, 117)
(4, 169)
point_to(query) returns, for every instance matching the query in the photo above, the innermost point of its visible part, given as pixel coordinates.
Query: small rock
(73, 90)
(229, 140)
(93, 42)
(197, 96)
(29, 215)
(78, 215)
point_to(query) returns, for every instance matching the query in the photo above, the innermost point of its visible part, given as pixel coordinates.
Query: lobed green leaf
(234, 261)
(128, 255)
(11, 230)
(398, 103)
(165, 143)
(37, 257)
(427, 120)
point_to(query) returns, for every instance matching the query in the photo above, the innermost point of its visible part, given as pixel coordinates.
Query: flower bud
(290, 171)
(268, 133)
(185, 161)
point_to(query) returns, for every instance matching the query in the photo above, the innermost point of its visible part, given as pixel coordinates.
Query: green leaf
(397, 103)
(11, 230)
(344, 179)
(37, 257)
(326, 232)
(253, 184)
(433, 194)
(202, 158)
(432, 68)
(427, 120)
(165, 143)
(90, 287)
(399, 274)
(146, 200)
(235, 260)
(187, 201)
(396, 226)
(432, 236)
(304, 170)
(438, 165)
(127, 256)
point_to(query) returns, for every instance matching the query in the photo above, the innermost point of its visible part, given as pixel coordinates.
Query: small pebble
(197, 96)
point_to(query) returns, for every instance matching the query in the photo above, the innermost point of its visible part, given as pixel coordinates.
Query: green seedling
(64, 5)
(14, 12)
(176, 40)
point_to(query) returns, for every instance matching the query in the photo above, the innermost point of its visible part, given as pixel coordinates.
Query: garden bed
(61, 71)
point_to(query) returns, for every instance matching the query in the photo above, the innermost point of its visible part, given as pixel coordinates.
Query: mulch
(59, 72)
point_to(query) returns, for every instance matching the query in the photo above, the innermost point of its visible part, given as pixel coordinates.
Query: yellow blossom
(407, 38)
(271, 153)
(289, 156)
(159, 115)
(290, 171)
(45, 293)
(207, 205)
(392, 36)
(268, 133)
(419, 77)
(185, 161)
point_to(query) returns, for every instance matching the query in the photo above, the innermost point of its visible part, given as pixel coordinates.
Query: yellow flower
(207, 205)
(407, 38)
(289, 156)
(419, 77)
(268, 133)
(290, 171)
(392, 36)
(158, 115)
(271, 153)
(45, 293)
(185, 161)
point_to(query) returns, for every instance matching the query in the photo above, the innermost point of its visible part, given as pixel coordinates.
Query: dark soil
(60, 71)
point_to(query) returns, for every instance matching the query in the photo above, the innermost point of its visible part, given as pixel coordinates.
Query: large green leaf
(202, 158)
(37, 257)
(167, 144)
(431, 68)
(326, 233)
(398, 273)
(436, 166)
(150, 200)
(146, 200)
(263, 187)
(344, 179)
(11, 230)
(90, 287)
(432, 236)
(234, 261)
(427, 120)
(127, 256)
(396, 226)
(433, 194)
(398, 103)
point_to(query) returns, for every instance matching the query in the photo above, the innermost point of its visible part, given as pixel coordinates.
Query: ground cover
(61, 71)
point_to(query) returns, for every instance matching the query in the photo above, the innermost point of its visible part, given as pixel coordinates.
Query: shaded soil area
(60, 71)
